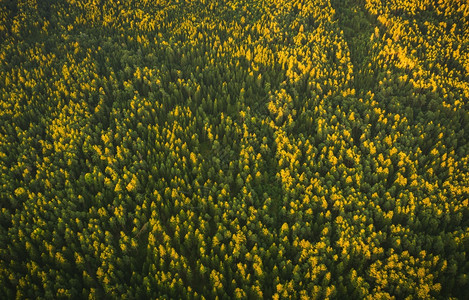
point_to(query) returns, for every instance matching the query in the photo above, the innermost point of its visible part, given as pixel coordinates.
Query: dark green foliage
(233, 149)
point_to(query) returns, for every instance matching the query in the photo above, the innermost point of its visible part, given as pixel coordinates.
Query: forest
(248, 149)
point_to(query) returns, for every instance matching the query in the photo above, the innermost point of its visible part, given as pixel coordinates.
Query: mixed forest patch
(234, 149)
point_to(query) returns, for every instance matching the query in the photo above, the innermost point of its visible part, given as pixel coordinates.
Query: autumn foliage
(234, 149)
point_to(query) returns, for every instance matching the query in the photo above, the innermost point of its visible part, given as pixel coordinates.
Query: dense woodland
(234, 149)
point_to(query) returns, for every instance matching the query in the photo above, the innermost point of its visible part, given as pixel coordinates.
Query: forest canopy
(234, 149)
